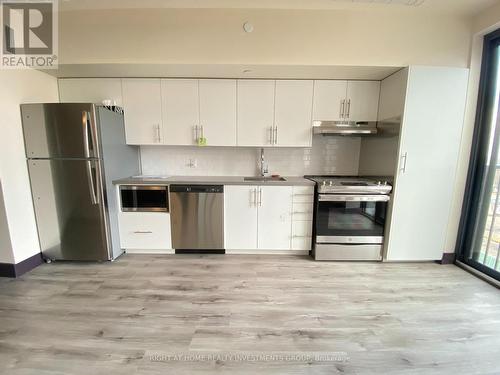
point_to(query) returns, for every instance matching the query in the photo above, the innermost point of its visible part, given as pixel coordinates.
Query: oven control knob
(324, 183)
(330, 183)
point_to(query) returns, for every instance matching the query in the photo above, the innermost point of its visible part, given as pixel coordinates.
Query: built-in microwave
(144, 198)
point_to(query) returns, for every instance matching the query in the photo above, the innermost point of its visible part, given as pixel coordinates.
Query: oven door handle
(353, 198)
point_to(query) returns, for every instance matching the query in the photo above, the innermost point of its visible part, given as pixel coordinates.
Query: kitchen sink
(264, 179)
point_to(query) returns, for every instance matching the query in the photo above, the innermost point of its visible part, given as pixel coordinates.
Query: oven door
(350, 219)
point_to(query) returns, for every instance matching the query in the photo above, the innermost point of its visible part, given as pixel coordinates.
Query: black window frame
(479, 150)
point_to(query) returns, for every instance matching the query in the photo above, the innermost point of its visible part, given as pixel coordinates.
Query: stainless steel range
(349, 217)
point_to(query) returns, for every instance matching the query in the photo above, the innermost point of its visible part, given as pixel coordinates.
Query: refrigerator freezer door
(60, 130)
(69, 208)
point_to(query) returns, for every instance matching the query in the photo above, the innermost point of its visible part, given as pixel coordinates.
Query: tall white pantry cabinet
(432, 118)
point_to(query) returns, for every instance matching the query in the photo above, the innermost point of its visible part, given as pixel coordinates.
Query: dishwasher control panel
(197, 188)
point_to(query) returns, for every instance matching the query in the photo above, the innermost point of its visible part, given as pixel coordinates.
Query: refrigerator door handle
(85, 127)
(91, 170)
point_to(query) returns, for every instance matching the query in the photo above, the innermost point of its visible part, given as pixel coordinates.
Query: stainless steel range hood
(344, 128)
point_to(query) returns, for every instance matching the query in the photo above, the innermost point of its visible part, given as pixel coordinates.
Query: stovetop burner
(351, 185)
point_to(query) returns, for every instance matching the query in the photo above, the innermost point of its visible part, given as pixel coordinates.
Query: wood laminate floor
(241, 314)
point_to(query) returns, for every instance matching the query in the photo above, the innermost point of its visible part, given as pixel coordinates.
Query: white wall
(392, 36)
(329, 155)
(19, 86)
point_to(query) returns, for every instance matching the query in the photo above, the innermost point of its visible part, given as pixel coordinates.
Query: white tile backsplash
(328, 155)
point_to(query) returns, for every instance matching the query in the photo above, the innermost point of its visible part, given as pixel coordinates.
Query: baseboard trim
(448, 258)
(19, 269)
(266, 252)
(478, 274)
(149, 251)
(200, 251)
(7, 270)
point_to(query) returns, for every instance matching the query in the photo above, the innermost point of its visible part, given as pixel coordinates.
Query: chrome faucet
(263, 168)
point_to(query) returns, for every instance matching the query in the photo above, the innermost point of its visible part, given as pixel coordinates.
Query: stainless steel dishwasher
(197, 216)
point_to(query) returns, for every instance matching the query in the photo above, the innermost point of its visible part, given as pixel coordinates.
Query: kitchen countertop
(210, 180)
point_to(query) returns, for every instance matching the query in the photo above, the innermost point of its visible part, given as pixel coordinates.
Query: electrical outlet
(193, 163)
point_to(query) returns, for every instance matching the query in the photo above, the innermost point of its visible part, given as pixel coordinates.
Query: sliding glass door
(479, 238)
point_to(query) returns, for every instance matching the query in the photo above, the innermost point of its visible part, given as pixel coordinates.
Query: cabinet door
(142, 106)
(145, 230)
(90, 90)
(218, 111)
(181, 113)
(329, 100)
(362, 100)
(392, 96)
(429, 147)
(240, 217)
(275, 217)
(255, 112)
(292, 113)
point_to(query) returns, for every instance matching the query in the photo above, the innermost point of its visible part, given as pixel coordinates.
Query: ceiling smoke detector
(413, 3)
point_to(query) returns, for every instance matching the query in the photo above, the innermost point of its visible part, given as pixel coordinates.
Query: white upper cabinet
(346, 100)
(429, 148)
(255, 112)
(91, 90)
(362, 100)
(142, 106)
(181, 115)
(218, 111)
(226, 112)
(329, 100)
(392, 96)
(292, 113)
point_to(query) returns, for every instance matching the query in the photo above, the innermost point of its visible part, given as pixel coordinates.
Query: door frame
(478, 155)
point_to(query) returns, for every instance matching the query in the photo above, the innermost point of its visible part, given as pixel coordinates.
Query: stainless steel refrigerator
(74, 151)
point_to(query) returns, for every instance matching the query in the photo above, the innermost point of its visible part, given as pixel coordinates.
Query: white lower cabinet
(274, 217)
(263, 218)
(302, 217)
(145, 230)
(240, 217)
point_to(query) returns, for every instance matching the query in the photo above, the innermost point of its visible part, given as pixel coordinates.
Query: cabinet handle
(158, 134)
(301, 212)
(276, 134)
(253, 194)
(143, 232)
(348, 108)
(202, 131)
(260, 197)
(195, 128)
(297, 236)
(271, 135)
(342, 108)
(403, 162)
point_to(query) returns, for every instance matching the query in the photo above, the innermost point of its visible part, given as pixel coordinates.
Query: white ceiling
(464, 7)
